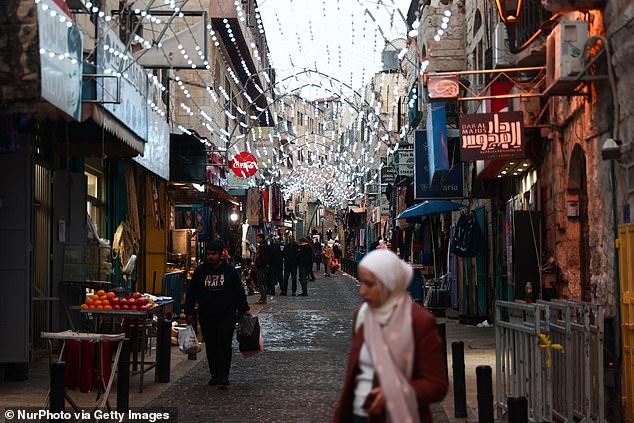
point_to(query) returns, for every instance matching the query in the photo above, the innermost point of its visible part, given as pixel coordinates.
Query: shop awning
(98, 134)
(223, 195)
(105, 120)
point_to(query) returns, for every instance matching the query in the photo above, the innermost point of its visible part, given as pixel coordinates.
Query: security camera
(611, 149)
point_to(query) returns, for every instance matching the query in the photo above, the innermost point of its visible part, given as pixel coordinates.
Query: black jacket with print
(217, 291)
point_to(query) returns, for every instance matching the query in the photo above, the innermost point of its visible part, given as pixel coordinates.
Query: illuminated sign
(244, 164)
(487, 136)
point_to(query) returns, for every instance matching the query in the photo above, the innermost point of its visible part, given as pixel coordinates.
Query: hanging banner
(61, 47)
(451, 187)
(486, 136)
(437, 148)
(244, 164)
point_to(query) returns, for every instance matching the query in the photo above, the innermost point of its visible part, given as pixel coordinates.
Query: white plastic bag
(187, 341)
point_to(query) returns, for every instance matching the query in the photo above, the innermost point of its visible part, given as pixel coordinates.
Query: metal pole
(459, 379)
(123, 378)
(442, 331)
(485, 394)
(58, 388)
(517, 409)
(163, 351)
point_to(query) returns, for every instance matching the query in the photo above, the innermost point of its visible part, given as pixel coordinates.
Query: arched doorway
(577, 212)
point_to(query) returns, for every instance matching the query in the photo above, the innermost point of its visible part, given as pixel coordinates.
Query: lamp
(234, 216)
(509, 10)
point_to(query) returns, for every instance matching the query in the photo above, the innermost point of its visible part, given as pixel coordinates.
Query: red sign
(244, 164)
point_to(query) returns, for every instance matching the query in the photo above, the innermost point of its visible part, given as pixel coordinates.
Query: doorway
(577, 214)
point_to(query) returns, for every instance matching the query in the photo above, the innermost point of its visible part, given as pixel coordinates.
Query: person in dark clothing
(217, 289)
(261, 262)
(305, 264)
(336, 249)
(291, 258)
(317, 252)
(275, 266)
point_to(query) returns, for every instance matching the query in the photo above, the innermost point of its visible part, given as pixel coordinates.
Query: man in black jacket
(291, 257)
(218, 291)
(261, 262)
(305, 262)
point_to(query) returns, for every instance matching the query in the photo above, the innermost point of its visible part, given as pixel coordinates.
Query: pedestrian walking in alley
(261, 262)
(275, 265)
(336, 249)
(327, 255)
(217, 289)
(290, 254)
(317, 250)
(395, 367)
(305, 264)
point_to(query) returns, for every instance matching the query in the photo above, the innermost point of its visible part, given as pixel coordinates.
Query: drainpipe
(615, 135)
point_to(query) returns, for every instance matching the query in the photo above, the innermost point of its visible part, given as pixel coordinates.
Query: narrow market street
(298, 376)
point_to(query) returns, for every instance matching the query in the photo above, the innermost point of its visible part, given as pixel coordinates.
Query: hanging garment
(467, 240)
(254, 206)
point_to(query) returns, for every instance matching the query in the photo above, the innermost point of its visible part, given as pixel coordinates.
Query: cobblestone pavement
(298, 376)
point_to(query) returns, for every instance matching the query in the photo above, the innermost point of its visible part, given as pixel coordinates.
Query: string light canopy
(334, 165)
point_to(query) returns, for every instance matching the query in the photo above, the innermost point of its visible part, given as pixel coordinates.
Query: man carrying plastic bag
(217, 289)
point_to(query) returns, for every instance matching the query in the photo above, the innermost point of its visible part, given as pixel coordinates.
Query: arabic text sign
(487, 136)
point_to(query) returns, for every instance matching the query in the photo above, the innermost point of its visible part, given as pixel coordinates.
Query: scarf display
(387, 331)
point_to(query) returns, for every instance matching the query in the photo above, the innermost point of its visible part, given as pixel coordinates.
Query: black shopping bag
(248, 333)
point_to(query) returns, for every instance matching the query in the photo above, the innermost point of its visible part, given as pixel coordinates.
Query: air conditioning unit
(564, 51)
(502, 56)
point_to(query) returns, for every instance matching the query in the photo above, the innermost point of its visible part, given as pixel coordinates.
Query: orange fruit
(92, 306)
(107, 307)
(95, 297)
(101, 292)
(89, 301)
(97, 303)
(105, 303)
(111, 295)
(100, 307)
(83, 306)
(103, 297)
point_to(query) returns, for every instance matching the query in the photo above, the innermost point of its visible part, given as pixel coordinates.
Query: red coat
(428, 376)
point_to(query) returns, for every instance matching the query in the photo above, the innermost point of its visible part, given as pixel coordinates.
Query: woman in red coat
(396, 366)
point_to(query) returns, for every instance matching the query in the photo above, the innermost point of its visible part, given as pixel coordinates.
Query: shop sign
(61, 47)
(244, 164)
(264, 137)
(131, 108)
(388, 174)
(452, 186)
(156, 153)
(486, 136)
(405, 162)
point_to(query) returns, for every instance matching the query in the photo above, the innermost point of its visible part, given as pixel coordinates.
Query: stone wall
(579, 126)
(19, 57)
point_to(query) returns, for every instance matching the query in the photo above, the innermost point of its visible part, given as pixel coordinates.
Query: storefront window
(94, 198)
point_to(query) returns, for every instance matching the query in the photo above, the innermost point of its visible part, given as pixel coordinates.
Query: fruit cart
(140, 327)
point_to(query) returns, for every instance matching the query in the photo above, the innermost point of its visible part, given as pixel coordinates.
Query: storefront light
(234, 217)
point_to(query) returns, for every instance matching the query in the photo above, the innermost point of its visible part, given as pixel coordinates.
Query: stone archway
(578, 228)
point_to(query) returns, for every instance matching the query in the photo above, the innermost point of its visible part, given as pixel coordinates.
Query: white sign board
(61, 49)
(406, 162)
(132, 108)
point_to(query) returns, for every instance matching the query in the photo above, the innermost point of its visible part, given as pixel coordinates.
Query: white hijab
(388, 333)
